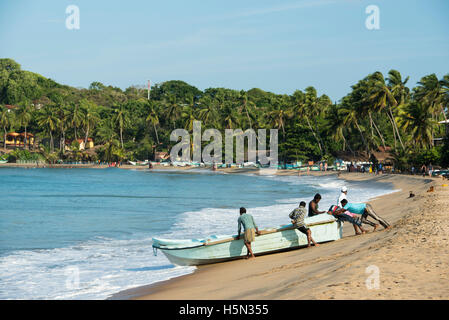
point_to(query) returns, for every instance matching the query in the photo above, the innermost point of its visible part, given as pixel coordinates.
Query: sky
(277, 46)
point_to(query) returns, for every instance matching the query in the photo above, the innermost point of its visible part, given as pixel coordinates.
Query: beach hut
(14, 139)
(10, 107)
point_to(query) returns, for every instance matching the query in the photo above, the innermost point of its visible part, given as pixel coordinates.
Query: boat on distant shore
(215, 249)
(3, 161)
(139, 163)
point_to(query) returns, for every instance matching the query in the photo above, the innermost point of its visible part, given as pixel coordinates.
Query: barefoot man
(297, 216)
(250, 229)
(365, 210)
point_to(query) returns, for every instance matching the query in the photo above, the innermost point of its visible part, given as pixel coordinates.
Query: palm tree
(431, 91)
(48, 120)
(63, 114)
(398, 87)
(308, 106)
(48, 153)
(153, 119)
(122, 119)
(108, 136)
(228, 116)
(189, 116)
(91, 117)
(360, 101)
(381, 97)
(279, 116)
(336, 125)
(23, 117)
(245, 105)
(350, 117)
(416, 119)
(6, 121)
(173, 109)
(207, 112)
(76, 118)
(444, 83)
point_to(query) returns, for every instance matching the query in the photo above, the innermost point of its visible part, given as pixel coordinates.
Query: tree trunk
(316, 138)
(51, 142)
(444, 114)
(25, 141)
(87, 135)
(378, 132)
(397, 130)
(63, 141)
(363, 138)
(121, 136)
(155, 130)
(4, 141)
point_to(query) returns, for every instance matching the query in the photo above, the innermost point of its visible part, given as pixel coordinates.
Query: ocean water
(86, 233)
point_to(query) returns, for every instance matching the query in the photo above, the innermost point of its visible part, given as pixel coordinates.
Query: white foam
(107, 266)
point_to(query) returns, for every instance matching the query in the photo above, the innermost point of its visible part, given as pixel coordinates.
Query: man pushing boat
(365, 210)
(297, 216)
(250, 229)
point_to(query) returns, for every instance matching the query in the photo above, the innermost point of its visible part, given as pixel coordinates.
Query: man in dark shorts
(297, 216)
(313, 206)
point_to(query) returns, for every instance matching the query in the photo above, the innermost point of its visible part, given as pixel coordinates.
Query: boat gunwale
(263, 232)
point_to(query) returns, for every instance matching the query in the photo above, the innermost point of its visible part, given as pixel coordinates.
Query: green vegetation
(380, 111)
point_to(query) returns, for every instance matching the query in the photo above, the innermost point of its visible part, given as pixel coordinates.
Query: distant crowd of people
(344, 211)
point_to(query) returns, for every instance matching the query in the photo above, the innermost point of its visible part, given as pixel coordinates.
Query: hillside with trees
(379, 113)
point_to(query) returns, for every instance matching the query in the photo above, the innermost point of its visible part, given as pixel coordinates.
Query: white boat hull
(198, 252)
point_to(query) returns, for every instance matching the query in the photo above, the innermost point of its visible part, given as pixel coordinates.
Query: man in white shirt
(344, 192)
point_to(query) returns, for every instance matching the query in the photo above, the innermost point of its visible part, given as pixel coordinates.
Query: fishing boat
(3, 161)
(139, 163)
(215, 249)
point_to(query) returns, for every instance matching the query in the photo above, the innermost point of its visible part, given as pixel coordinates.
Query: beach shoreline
(336, 270)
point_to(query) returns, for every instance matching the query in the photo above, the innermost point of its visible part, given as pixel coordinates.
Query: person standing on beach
(343, 194)
(365, 210)
(313, 206)
(297, 216)
(250, 229)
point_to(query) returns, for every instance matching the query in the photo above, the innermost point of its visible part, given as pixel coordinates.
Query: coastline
(337, 270)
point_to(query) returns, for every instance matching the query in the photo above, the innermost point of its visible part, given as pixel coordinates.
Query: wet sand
(412, 258)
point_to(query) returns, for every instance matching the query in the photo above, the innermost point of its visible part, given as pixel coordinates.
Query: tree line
(379, 111)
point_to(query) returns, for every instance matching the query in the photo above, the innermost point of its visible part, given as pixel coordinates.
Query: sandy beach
(412, 258)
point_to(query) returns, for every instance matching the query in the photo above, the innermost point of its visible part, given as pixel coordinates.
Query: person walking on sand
(365, 210)
(313, 206)
(297, 216)
(250, 229)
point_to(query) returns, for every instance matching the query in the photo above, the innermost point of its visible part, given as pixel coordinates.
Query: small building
(159, 156)
(17, 140)
(10, 107)
(82, 145)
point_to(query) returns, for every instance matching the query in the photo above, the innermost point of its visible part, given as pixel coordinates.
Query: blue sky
(278, 46)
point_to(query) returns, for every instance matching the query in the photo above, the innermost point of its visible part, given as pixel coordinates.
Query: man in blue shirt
(365, 210)
(250, 229)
